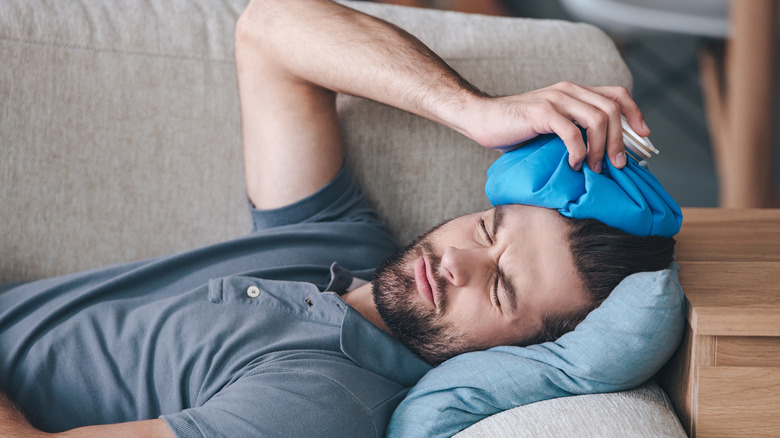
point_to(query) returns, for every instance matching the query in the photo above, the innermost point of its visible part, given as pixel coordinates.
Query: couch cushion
(643, 412)
(120, 131)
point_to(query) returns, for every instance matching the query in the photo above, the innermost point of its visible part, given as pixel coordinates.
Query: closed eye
(485, 231)
(494, 289)
(495, 292)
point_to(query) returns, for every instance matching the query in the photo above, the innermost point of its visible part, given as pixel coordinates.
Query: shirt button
(253, 292)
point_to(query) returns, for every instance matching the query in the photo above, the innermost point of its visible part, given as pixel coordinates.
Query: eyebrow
(506, 283)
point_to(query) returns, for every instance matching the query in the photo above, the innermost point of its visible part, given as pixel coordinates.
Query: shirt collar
(343, 280)
(369, 346)
(373, 349)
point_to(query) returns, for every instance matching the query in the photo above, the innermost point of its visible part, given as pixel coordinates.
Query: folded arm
(294, 55)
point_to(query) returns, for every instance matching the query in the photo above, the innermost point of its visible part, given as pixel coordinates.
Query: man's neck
(363, 301)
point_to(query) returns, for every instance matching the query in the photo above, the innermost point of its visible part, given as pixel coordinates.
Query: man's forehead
(521, 214)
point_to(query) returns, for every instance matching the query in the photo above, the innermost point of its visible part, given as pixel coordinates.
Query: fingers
(572, 138)
(564, 108)
(598, 110)
(586, 116)
(633, 116)
(627, 106)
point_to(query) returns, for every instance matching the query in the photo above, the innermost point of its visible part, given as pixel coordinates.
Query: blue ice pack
(538, 173)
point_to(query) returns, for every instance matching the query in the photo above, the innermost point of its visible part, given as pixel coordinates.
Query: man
(236, 339)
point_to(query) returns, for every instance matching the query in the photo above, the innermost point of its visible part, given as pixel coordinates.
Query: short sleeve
(339, 200)
(278, 404)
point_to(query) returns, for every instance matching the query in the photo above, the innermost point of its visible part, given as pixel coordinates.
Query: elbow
(255, 21)
(251, 30)
(246, 25)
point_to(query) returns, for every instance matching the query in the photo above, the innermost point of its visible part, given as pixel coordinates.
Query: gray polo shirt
(235, 339)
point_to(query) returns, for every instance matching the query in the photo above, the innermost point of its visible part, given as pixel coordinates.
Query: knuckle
(563, 87)
(547, 106)
(571, 133)
(613, 108)
(555, 94)
(622, 91)
(624, 97)
(600, 120)
(547, 103)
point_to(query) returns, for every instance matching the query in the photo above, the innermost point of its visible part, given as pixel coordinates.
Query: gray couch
(120, 140)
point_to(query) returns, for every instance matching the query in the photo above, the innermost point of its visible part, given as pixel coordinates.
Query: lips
(422, 277)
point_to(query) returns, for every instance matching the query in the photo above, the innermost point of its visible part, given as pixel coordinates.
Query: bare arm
(293, 55)
(134, 429)
(13, 424)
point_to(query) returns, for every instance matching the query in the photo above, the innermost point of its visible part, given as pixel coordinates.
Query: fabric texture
(129, 109)
(538, 173)
(618, 346)
(643, 412)
(234, 339)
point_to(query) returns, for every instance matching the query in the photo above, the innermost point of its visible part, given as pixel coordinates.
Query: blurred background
(663, 42)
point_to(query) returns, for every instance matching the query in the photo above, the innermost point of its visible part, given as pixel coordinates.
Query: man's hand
(503, 122)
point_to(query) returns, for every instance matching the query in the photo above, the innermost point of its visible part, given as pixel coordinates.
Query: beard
(423, 330)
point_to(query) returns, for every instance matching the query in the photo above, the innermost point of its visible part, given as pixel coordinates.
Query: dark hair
(604, 256)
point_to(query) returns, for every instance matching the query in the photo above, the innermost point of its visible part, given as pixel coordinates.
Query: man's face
(479, 281)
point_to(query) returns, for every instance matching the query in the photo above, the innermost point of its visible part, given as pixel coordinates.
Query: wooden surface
(738, 402)
(733, 298)
(746, 235)
(724, 380)
(758, 351)
(730, 270)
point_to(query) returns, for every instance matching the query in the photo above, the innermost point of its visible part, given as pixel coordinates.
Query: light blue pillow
(618, 346)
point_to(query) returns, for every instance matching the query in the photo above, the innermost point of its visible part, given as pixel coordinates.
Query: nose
(460, 266)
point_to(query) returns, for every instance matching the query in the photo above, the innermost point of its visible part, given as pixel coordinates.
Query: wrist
(463, 115)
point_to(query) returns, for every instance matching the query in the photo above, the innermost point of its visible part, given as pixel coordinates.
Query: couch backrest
(120, 134)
